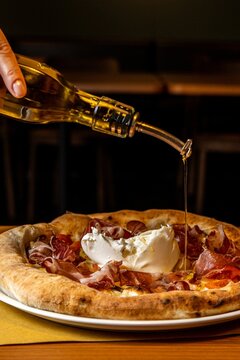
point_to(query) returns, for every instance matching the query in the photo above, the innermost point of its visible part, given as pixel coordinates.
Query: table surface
(226, 348)
(221, 347)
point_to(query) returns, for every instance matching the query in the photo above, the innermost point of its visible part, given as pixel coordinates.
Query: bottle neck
(107, 115)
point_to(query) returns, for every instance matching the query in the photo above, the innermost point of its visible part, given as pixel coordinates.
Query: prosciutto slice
(116, 232)
(60, 247)
(210, 262)
(195, 238)
(218, 241)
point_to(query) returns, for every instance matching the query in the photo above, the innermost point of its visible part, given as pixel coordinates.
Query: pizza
(134, 265)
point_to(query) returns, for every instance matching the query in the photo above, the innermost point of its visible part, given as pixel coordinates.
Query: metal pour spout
(185, 149)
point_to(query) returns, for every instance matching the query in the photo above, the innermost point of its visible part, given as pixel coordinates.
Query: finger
(10, 70)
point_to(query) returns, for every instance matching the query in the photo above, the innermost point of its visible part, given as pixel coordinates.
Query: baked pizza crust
(37, 288)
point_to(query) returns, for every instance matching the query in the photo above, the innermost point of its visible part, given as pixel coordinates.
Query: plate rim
(126, 325)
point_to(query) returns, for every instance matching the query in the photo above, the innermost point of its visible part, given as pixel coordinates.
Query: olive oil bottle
(51, 98)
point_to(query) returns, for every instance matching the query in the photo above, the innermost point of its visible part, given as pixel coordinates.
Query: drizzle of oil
(185, 186)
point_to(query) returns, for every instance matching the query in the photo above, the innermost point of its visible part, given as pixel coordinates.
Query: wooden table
(226, 348)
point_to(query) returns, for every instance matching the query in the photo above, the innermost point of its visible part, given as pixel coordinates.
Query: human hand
(10, 71)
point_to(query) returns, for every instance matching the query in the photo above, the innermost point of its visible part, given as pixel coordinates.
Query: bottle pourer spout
(185, 149)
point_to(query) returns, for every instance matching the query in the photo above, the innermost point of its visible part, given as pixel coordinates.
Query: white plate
(124, 325)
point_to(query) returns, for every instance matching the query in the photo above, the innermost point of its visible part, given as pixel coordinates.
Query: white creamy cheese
(150, 251)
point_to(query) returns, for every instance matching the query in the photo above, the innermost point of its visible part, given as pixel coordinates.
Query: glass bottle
(50, 98)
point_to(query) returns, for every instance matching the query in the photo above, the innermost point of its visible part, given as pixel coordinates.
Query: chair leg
(63, 146)
(201, 173)
(104, 187)
(31, 185)
(11, 208)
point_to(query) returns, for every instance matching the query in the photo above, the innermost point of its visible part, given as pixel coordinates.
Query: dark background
(143, 36)
(120, 20)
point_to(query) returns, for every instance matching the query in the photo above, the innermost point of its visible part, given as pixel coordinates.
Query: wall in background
(160, 20)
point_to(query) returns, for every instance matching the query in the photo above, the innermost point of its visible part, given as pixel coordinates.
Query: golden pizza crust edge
(37, 288)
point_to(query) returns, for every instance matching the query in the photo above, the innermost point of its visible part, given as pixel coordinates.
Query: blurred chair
(213, 78)
(81, 138)
(205, 144)
(8, 170)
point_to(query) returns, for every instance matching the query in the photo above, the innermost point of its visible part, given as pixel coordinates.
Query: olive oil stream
(185, 193)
